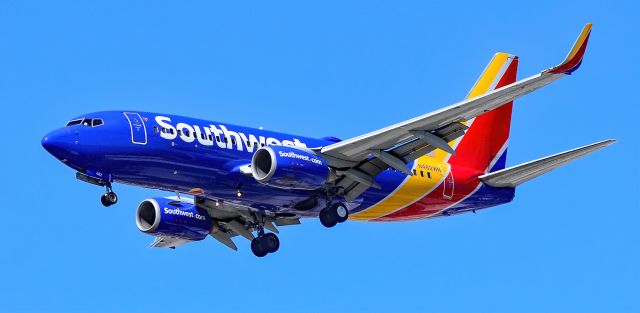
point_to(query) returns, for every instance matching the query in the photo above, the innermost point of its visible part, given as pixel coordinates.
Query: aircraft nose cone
(47, 143)
(58, 143)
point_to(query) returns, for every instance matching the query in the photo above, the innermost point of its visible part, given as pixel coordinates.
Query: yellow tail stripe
(415, 187)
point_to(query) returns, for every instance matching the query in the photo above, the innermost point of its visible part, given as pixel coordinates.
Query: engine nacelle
(172, 218)
(289, 167)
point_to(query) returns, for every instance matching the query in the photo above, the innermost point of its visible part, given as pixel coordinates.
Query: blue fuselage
(195, 156)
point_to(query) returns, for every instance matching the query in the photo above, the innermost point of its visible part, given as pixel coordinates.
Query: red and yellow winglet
(574, 58)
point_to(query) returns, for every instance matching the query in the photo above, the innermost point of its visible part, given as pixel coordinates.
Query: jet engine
(289, 167)
(172, 218)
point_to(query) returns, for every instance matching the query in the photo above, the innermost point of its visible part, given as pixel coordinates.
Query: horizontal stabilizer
(516, 175)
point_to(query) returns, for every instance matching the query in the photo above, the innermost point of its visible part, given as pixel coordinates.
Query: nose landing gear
(109, 198)
(334, 214)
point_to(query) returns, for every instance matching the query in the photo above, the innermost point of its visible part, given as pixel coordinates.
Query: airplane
(245, 181)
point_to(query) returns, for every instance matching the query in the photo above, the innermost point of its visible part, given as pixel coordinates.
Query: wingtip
(574, 59)
(604, 143)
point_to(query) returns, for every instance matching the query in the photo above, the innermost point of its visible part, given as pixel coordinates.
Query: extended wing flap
(516, 175)
(168, 242)
(225, 239)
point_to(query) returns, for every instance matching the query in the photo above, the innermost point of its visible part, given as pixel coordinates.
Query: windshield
(91, 122)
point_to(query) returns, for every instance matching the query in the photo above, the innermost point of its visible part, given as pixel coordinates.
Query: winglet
(574, 58)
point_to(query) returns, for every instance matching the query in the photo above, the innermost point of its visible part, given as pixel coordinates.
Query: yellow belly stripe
(413, 188)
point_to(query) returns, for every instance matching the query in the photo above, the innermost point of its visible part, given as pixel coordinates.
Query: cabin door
(138, 131)
(448, 184)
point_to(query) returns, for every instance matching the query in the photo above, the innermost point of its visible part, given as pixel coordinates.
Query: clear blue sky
(568, 243)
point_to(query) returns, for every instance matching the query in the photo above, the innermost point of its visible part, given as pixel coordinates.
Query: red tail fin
(484, 146)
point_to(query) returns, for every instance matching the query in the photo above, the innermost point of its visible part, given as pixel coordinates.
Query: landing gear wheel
(272, 242)
(265, 244)
(341, 211)
(113, 198)
(328, 217)
(259, 247)
(108, 199)
(104, 200)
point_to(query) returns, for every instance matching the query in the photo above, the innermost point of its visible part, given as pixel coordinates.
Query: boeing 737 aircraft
(247, 181)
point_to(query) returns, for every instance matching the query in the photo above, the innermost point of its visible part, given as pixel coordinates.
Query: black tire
(112, 197)
(105, 200)
(271, 242)
(328, 218)
(341, 212)
(258, 247)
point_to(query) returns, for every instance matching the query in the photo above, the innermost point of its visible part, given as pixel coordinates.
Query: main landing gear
(334, 214)
(109, 198)
(264, 244)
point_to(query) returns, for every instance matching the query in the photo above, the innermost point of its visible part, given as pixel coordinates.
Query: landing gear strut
(109, 198)
(265, 244)
(334, 214)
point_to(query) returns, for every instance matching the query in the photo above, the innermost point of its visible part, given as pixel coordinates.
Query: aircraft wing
(359, 159)
(233, 220)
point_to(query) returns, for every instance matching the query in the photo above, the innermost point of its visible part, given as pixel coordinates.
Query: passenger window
(415, 172)
(429, 175)
(421, 174)
(210, 138)
(233, 141)
(180, 132)
(218, 139)
(171, 131)
(155, 129)
(96, 122)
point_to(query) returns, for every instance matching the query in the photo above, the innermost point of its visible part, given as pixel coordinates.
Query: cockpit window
(74, 122)
(91, 122)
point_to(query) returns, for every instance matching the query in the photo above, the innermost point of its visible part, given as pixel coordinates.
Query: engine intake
(172, 218)
(289, 167)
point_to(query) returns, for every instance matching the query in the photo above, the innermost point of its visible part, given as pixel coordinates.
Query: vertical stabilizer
(484, 146)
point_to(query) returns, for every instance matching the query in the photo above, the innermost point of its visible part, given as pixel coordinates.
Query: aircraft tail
(519, 174)
(484, 145)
